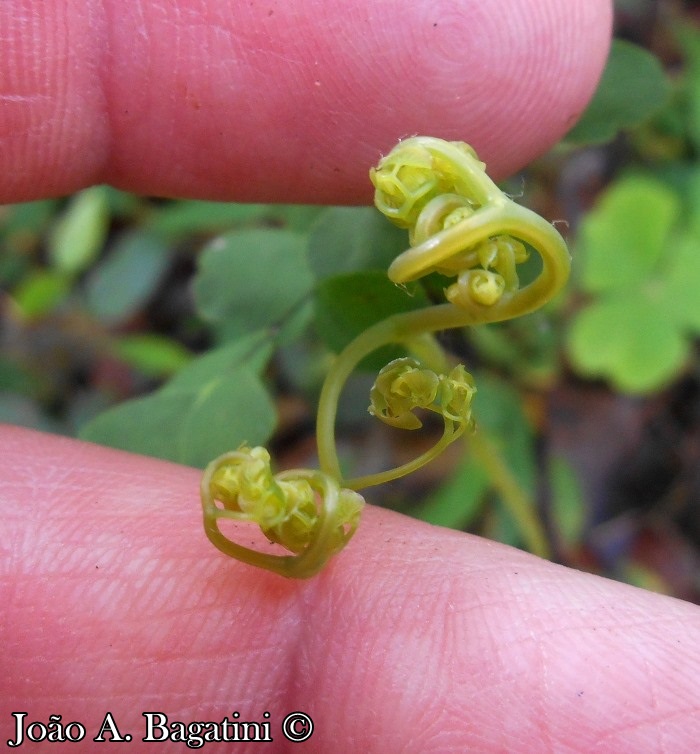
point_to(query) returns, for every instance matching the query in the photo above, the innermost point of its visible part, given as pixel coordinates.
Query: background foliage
(180, 329)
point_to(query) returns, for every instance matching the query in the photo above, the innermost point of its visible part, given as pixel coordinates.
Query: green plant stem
(427, 350)
(474, 181)
(399, 328)
(371, 480)
(517, 501)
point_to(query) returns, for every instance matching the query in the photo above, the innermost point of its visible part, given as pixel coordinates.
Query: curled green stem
(407, 326)
(461, 226)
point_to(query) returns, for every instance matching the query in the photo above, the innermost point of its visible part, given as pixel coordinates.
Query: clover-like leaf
(623, 238)
(250, 279)
(642, 267)
(628, 340)
(213, 404)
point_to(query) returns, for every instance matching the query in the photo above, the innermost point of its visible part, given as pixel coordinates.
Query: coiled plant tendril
(460, 225)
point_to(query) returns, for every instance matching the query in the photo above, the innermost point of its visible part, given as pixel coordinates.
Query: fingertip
(290, 102)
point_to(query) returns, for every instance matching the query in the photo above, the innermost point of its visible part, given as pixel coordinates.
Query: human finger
(414, 638)
(280, 101)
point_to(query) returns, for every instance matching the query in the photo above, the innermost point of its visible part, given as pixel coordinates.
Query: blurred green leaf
(623, 238)
(122, 204)
(505, 432)
(684, 179)
(632, 88)
(124, 280)
(349, 239)
(190, 426)
(303, 365)
(689, 39)
(346, 305)
(15, 378)
(680, 290)
(80, 231)
(629, 340)
(40, 292)
(178, 219)
(642, 576)
(568, 504)
(251, 352)
(252, 279)
(646, 270)
(152, 354)
(24, 412)
(526, 347)
(500, 526)
(21, 230)
(498, 409)
(13, 267)
(21, 225)
(298, 217)
(181, 219)
(459, 499)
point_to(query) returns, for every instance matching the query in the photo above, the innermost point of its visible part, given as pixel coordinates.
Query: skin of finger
(414, 638)
(280, 101)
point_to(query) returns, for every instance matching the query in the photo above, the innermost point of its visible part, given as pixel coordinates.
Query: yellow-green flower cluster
(403, 386)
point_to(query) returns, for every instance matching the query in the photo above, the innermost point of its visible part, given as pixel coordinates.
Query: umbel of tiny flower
(304, 511)
(403, 386)
(462, 225)
(411, 175)
(497, 274)
(285, 510)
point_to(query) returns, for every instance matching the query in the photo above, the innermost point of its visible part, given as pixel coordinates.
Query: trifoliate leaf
(623, 238)
(628, 340)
